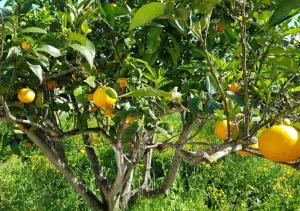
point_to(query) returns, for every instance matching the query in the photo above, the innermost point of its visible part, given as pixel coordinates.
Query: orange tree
(125, 65)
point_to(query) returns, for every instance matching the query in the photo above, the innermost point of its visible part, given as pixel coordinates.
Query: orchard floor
(232, 184)
(29, 182)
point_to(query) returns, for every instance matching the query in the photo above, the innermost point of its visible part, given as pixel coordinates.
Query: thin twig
(13, 118)
(246, 74)
(218, 80)
(2, 35)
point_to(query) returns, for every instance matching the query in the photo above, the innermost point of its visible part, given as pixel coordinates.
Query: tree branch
(174, 167)
(277, 116)
(218, 80)
(243, 41)
(79, 186)
(75, 132)
(58, 75)
(95, 165)
(28, 122)
(2, 35)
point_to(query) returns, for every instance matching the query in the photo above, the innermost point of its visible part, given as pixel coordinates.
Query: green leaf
(149, 68)
(297, 125)
(119, 11)
(211, 105)
(111, 93)
(288, 62)
(91, 81)
(175, 50)
(109, 14)
(90, 46)
(50, 50)
(153, 39)
(85, 28)
(146, 14)
(34, 30)
(291, 31)
(236, 98)
(206, 6)
(42, 59)
(285, 10)
(211, 89)
(78, 37)
(147, 92)
(37, 70)
(296, 89)
(263, 17)
(193, 105)
(80, 94)
(84, 51)
(13, 51)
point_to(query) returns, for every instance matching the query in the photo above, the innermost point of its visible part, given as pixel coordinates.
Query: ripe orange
(122, 82)
(25, 46)
(51, 85)
(247, 154)
(286, 121)
(26, 95)
(105, 97)
(220, 27)
(280, 143)
(222, 132)
(129, 119)
(27, 144)
(108, 111)
(234, 87)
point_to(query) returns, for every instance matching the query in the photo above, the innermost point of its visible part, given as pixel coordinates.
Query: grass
(29, 182)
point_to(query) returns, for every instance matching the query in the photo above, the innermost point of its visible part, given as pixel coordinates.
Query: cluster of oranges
(104, 97)
(279, 143)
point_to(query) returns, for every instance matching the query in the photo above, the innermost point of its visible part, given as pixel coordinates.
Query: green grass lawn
(29, 182)
(233, 183)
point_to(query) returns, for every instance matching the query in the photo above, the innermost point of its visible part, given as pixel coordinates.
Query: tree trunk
(79, 186)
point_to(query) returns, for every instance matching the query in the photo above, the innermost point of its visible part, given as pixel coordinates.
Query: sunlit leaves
(85, 28)
(146, 14)
(49, 49)
(84, 51)
(147, 92)
(37, 70)
(13, 51)
(91, 81)
(34, 30)
(80, 94)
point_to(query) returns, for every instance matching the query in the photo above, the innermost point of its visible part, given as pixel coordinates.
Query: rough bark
(79, 186)
(174, 167)
(97, 170)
